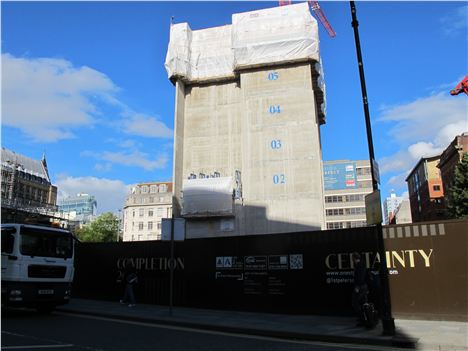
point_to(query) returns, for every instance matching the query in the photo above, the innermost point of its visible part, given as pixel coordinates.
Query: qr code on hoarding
(296, 262)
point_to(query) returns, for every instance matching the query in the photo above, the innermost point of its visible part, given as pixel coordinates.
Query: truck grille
(39, 271)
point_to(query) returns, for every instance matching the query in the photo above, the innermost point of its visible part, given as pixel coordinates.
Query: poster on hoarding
(340, 176)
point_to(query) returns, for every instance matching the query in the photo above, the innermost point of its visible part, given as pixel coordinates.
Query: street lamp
(388, 323)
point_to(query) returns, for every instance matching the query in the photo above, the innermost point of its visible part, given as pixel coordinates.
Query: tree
(105, 228)
(458, 193)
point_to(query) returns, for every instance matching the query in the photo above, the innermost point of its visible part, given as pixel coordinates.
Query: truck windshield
(46, 243)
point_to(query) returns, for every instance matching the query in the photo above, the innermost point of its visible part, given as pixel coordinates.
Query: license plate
(45, 292)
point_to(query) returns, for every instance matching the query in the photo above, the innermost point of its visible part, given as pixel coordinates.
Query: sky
(85, 83)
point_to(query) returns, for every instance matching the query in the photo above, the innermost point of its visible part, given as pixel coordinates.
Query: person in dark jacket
(131, 279)
(375, 288)
(360, 288)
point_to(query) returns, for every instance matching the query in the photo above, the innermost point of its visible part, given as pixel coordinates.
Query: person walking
(131, 279)
(360, 288)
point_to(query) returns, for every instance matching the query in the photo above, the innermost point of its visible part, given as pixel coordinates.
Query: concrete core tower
(249, 105)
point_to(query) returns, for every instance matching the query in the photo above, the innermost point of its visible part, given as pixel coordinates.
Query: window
(158, 225)
(162, 188)
(150, 225)
(153, 189)
(46, 243)
(363, 171)
(144, 189)
(335, 225)
(160, 211)
(140, 225)
(150, 212)
(354, 198)
(334, 198)
(436, 187)
(141, 212)
(365, 184)
(335, 212)
(355, 211)
(8, 239)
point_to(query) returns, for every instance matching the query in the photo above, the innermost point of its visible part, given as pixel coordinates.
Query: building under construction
(26, 187)
(250, 100)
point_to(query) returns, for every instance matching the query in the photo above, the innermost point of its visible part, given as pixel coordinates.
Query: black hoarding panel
(306, 272)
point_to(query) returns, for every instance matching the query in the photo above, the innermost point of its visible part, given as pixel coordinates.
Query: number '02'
(273, 76)
(279, 179)
(275, 144)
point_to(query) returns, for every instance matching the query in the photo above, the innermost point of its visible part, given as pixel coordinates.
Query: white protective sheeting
(207, 197)
(277, 35)
(265, 37)
(200, 55)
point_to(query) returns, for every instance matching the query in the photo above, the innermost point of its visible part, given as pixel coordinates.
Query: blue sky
(85, 82)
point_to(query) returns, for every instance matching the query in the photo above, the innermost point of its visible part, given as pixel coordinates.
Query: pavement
(412, 334)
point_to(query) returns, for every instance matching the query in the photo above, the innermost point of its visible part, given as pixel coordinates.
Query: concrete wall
(269, 131)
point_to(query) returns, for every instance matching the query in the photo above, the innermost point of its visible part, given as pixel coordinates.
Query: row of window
(149, 225)
(146, 200)
(341, 225)
(346, 211)
(363, 171)
(141, 237)
(344, 198)
(161, 212)
(152, 189)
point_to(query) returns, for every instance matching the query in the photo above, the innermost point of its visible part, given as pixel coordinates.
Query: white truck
(37, 266)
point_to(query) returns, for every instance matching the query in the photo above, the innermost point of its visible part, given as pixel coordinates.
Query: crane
(314, 5)
(461, 87)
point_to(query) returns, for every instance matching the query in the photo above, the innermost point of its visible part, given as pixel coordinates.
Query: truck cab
(37, 266)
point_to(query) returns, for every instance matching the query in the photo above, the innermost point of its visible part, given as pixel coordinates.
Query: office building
(390, 205)
(144, 209)
(81, 208)
(346, 184)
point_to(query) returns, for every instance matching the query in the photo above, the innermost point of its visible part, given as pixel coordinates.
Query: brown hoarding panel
(428, 269)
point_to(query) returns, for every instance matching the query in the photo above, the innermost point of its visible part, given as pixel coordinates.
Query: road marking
(233, 334)
(35, 347)
(57, 345)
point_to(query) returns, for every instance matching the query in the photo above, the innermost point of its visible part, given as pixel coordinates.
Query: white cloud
(455, 22)
(110, 194)
(146, 126)
(134, 158)
(421, 128)
(423, 119)
(48, 98)
(103, 167)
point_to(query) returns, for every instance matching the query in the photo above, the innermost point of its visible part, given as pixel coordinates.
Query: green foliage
(458, 194)
(105, 228)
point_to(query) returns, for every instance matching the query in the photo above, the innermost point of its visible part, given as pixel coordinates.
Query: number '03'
(279, 179)
(275, 144)
(275, 109)
(273, 76)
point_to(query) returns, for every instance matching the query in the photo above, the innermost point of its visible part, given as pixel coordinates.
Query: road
(28, 331)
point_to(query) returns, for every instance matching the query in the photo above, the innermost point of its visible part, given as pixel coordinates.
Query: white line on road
(245, 336)
(35, 347)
